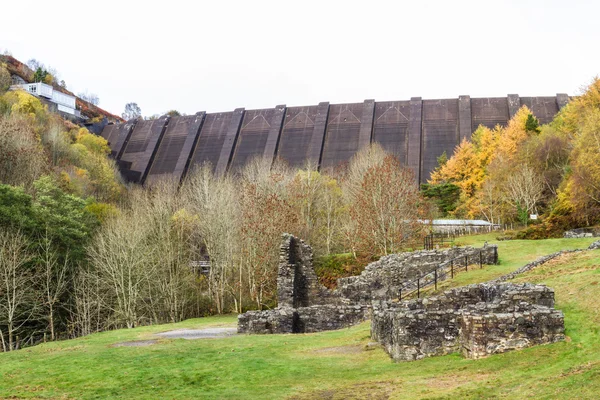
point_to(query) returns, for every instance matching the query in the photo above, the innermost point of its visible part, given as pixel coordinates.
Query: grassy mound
(328, 365)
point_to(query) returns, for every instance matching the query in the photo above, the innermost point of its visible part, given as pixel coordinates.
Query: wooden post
(466, 263)
(400, 294)
(452, 269)
(435, 278)
(419, 288)
(480, 260)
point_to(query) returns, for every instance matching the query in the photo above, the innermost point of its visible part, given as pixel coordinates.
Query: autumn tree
(388, 210)
(22, 159)
(266, 213)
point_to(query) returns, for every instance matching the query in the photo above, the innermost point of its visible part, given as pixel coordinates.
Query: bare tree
(524, 189)
(89, 295)
(215, 202)
(89, 97)
(132, 111)
(17, 304)
(54, 280)
(122, 257)
(490, 201)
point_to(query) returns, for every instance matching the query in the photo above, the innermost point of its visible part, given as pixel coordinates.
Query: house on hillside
(59, 101)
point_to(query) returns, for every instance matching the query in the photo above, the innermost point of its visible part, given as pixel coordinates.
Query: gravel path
(206, 333)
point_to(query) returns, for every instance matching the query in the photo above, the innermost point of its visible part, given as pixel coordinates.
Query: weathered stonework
(477, 320)
(304, 305)
(582, 233)
(302, 320)
(382, 279)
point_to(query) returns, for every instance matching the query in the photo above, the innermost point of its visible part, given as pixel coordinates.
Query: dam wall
(416, 131)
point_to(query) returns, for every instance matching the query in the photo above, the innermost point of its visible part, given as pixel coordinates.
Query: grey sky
(220, 55)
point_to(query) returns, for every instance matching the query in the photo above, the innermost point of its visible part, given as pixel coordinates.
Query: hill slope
(328, 365)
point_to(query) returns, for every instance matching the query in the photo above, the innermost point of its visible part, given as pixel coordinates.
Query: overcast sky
(219, 55)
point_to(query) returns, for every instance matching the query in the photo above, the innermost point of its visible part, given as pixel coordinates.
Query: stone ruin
(582, 233)
(304, 305)
(477, 320)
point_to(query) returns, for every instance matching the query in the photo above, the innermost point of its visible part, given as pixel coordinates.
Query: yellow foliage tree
(468, 168)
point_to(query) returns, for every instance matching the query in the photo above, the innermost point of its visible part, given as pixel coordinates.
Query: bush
(330, 268)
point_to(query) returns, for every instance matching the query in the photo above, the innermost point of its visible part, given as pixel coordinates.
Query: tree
(17, 303)
(173, 113)
(132, 111)
(5, 79)
(216, 204)
(532, 124)
(524, 189)
(22, 158)
(91, 98)
(267, 212)
(121, 256)
(40, 75)
(445, 195)
(54, 274)
(387, 210)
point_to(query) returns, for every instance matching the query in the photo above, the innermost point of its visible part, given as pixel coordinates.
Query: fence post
(400, 294)
(480, 260)
(466, 263)
(452, 268)
(419, 288)
(435, 278)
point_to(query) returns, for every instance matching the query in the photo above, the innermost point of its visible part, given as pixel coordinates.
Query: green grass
(331, 365)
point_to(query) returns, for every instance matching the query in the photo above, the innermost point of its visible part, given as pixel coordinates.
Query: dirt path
(206, 333)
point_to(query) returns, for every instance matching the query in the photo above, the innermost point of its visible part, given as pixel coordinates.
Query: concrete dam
(416, 131)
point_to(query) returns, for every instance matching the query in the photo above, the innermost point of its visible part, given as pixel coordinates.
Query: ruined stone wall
(304, 305)
(485, 334)
(477, 320)
(582, 233)
(297, 282)
(302, 320)
(382, 279)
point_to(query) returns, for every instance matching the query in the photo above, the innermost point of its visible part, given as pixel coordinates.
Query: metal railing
(440, 273)
(441, 239)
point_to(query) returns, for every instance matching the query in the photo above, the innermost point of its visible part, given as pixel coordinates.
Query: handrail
(411, 286)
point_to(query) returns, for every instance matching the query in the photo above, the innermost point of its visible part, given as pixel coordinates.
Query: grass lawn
(329, 365)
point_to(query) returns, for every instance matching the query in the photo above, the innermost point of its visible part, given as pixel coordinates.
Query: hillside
(89, 110)
(328, 365)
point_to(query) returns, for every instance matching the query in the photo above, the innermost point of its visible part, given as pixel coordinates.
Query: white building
(64, 102)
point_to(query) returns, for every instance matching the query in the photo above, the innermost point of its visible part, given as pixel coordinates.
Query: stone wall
(582, 233)
(297, 282)
(485, 334)
(477, 320)
(302, 320)
(304, 305)
(382, 279)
